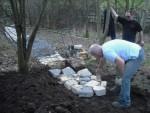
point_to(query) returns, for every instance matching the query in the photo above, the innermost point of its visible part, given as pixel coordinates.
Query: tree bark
(23, 50)
(127, 5)
(98, 19)
(106, 23)
(33, 34)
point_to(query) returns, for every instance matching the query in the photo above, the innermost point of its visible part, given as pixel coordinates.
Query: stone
(93, 77)
(69, 83)
(83, 55)
(63, 79)
(99, 90)
(79, 46)
(82, 82)
(84, 72)
(92, 83)
(53, 61)
(76, 63)
(68, 71)
(75, 75)
(54, 72)
(103, 83)
(56, 64)
(76, 88)
(86, 92)
(77, 79)
(86, 79)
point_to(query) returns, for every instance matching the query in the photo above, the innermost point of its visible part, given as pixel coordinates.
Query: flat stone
(103, 83)
(56, 64)
(99, 90)
(53, 61)
(68, 71)
(86, 92)
(92, 83)
(76, 63)
(54, 72)
(63, 79)
(69, 83)
(76, 88)
(79, 46)
(84, 72)
(82, 82)
(93, 77)
(86, 79)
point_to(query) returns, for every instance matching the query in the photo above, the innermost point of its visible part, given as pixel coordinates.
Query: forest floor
(37, 92)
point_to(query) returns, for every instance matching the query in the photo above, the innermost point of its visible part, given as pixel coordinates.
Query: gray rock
(55, 72)
(85, 78)
(86, 92)
(84, 73)
(68, 71)
(76, 63)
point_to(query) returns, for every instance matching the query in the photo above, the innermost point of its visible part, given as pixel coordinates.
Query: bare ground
(37, 92)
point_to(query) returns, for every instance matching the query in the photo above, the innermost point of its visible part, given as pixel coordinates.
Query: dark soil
(37, 92)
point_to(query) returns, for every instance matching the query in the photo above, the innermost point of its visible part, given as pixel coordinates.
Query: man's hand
(115, 15)
(140, 39)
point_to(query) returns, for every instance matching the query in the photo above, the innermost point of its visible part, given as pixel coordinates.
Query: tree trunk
(23, 50)
(127, 5)
(86, 20)
(33, 34)
(132, 4)
(107, 22)
(116, 5)
(98, 19)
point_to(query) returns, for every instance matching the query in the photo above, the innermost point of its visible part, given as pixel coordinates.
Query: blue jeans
(130, 69)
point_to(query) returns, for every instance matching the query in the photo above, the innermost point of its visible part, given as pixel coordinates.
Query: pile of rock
(53, 61)
(82, 83)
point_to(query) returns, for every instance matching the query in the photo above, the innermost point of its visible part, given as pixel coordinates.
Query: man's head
(128, 15)
(96, 51)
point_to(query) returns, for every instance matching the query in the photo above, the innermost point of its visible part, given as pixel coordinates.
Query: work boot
(117, 104)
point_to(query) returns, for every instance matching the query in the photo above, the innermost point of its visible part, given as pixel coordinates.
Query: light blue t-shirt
(124, 49)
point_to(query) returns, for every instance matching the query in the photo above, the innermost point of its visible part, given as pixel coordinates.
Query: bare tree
(127, 5)
(24, 46)
(106, 23)
(98, 19)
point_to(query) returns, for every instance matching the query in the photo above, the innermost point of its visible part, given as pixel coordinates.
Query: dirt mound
(37, 92)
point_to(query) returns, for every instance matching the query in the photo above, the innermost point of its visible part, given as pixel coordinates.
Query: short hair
(94, 48)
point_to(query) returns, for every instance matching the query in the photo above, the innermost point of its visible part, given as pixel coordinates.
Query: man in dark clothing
(111, 28)
(130, 27)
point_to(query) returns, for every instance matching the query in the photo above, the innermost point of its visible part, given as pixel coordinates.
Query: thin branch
(33, 34)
